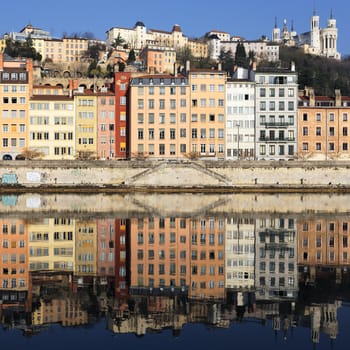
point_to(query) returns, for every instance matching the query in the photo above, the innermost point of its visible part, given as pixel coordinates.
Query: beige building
(207, 113)
(66, 50)
(159, 116)
(52, 123)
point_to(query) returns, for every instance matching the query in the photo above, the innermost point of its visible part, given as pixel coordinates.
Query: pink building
(105, 124)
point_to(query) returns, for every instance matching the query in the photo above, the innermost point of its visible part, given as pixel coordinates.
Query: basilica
(318, 41)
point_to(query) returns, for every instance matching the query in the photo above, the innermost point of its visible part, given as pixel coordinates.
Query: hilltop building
(318, 41)
(139, 37)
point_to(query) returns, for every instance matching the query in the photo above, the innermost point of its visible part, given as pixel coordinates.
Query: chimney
(254, 66)
(292, 66)
(311, 97)
(175, 69)
(73, 85)
(188, 66)
(337, 98)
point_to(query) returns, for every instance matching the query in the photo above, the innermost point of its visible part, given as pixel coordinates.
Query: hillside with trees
(323, 74)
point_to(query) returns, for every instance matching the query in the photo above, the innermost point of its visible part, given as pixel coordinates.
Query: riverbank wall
(174, 176)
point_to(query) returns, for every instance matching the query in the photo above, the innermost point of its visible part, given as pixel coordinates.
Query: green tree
(131, 57)
(94, 70)
(118, 41)
(22, 49)
(227, 60)
(241, 58)
(183, 55)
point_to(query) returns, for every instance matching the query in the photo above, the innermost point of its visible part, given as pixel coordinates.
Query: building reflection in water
(146, 274)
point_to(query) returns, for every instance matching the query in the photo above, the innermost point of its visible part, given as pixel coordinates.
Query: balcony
(276, 124)
(276, 139)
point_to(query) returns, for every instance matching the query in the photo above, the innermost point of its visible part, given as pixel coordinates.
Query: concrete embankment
(174, 176)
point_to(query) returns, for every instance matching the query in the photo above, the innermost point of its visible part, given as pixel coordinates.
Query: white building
(276, 268)
(240, 253)
(276, 113)
(240, 115)
(262, 49)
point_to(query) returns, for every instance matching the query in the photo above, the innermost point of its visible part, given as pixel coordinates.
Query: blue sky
(249, 19)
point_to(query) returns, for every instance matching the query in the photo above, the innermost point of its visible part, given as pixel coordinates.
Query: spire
(292, 26)
(314, 13)
(285, 29)
(331, 16)
(275, 21)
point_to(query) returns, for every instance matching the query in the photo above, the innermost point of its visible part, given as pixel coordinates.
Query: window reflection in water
(150, 273)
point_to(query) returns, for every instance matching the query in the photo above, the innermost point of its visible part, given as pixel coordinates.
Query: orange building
(323, 126)
(159, 116)
(159, 254)
(207, 249)
(15, 288)
(324, 242)
(16, 81)
(159, 59)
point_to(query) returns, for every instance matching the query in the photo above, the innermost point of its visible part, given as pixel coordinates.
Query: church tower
(315, 42)
(276, 33)
(329, 37)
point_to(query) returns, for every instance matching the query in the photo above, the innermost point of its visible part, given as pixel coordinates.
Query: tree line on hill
(323, 74)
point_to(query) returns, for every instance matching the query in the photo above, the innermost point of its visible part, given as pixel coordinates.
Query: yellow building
(86, 248)
(159, 116)
(52, 123)
(16, 81)
(86, 124)
(52, 244)
(207, 113)
(199, 49)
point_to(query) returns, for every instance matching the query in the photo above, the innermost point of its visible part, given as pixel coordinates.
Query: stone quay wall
(175, 175)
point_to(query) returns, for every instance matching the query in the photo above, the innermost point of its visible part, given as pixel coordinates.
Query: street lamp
(237, 124)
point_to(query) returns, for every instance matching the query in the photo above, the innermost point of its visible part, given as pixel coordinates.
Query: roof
(51, 98)
(159, 31)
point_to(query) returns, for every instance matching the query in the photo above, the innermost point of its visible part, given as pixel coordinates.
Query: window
(318, 131)
(305, 117)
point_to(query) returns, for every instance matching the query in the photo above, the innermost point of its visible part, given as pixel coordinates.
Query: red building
(121, 81)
